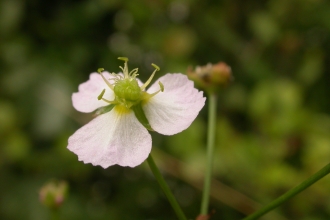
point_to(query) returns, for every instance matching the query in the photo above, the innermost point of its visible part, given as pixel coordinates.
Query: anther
(123, 59)
(161, 86)
(101, 95)
(100, 70)
(155, 66)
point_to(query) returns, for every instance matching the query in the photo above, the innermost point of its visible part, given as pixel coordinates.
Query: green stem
(55, 214)
(165, 188)
(212, 117)
(291, 193)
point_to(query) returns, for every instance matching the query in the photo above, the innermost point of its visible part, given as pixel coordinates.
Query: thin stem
(291, 193)
(212, 117)
(55, 214)
(165, 188)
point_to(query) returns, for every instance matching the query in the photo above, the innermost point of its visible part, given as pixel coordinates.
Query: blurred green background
(274, 120)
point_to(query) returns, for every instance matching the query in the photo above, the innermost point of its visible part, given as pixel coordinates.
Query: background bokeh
(274, 119)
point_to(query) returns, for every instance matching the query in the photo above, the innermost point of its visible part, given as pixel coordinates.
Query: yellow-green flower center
(128, 89)
(129, 96)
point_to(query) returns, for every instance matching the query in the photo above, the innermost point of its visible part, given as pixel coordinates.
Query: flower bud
(211, 77)
(53, 193)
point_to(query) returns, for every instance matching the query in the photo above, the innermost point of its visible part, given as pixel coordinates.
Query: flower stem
(165, 188)
(55, 215)
(212, 117)
(291, 193)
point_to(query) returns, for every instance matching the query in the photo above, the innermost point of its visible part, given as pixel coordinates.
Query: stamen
(107, 82)
(100, 70)
(117, 77)
(123, 59)
(161, 89)
(101, 95)
(110, 102)
(133, 72)
(125, 69)
(122, 69)
(150, 78)
(161, 86)
(153, 94)
(106, 100)
(155, 66)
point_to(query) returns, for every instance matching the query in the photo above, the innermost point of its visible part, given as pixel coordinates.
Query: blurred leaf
(265, 27)
(8, 117)
(17, 147)
(311, 68)
(189, 141)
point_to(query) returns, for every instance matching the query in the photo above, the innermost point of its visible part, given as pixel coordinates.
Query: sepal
(140, 115)
(105, 109)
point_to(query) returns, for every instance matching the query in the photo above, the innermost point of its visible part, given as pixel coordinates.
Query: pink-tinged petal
(173, 110)
(85, 100)
(112, 138)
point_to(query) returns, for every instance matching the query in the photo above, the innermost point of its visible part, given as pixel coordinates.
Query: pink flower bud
(211, 77)
(53, 193)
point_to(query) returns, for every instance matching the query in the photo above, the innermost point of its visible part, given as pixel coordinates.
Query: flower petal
(173, 110)
(85, 100)
(112, 138)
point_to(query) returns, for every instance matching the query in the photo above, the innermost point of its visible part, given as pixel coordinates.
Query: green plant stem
(212, 117)
(165, 188)
(291, 193)
(55, 214)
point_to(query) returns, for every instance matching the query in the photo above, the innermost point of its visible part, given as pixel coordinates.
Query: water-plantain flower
(126, 111)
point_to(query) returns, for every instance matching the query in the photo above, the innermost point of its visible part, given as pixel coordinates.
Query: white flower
(119, 134)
